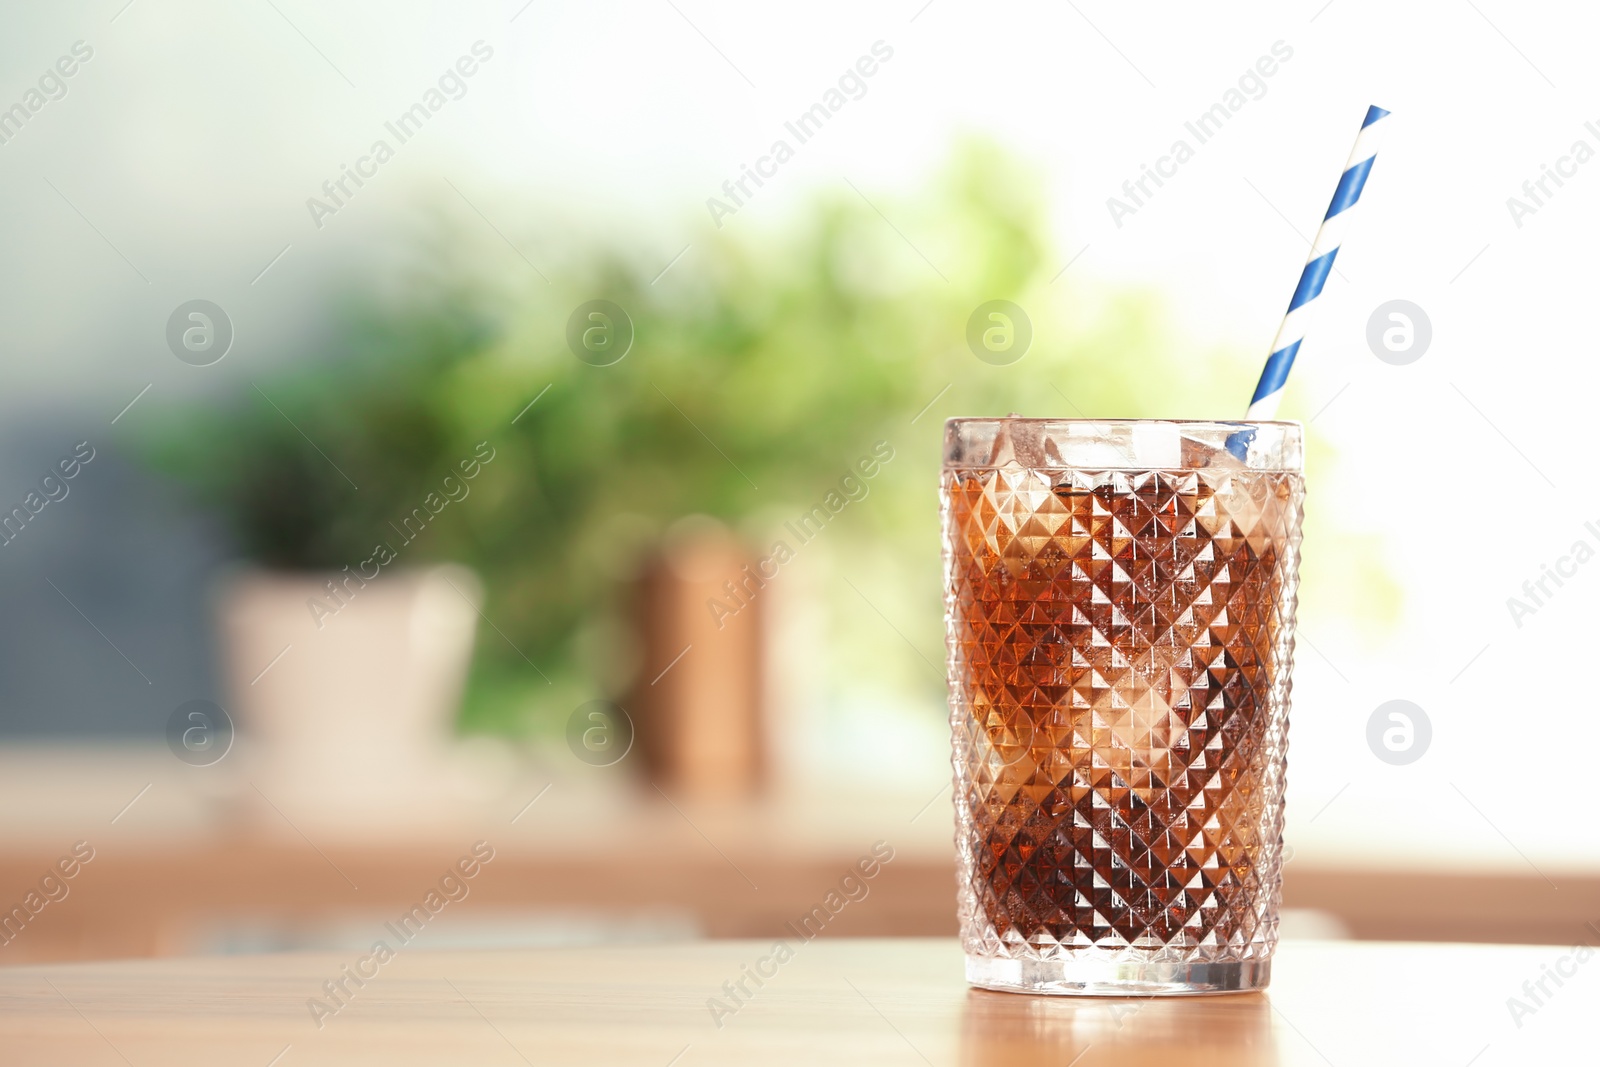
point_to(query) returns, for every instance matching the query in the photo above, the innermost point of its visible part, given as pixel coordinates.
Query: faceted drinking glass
(1119, 607)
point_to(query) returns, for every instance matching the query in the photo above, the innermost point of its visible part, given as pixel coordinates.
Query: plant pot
(344, 693)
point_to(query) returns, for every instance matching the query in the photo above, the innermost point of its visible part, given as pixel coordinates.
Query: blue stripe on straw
(1238, 443)
(1350, 185)
(1312, 279)
(1276, 372)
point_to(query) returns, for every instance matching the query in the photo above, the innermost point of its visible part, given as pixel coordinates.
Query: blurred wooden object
(696, 704)
(838, 1003)
(178, 871)
(725, 872)
(1492, 906)
(163, 901)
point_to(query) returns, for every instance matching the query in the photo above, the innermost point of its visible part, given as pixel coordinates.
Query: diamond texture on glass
(1120, 645)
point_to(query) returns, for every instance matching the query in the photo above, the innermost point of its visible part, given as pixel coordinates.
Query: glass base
(1110, 978)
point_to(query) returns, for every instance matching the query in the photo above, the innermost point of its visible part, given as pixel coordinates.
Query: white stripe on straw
(1330, 237)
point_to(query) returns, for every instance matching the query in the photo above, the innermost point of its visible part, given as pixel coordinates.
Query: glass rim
(1219, 423)
(1123, 444)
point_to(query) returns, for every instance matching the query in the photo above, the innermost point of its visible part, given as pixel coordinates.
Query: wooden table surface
(835, 1002)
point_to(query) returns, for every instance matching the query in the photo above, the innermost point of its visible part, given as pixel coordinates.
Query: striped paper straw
(1264, 404)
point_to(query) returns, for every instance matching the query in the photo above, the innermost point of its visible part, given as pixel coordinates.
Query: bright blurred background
(400, 362)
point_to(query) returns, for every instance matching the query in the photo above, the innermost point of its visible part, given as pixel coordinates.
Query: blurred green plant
(763, 363)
